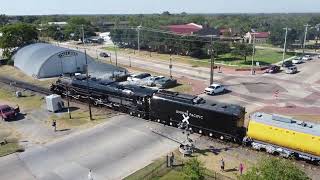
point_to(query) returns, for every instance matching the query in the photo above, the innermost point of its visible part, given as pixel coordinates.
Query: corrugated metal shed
(43, 60)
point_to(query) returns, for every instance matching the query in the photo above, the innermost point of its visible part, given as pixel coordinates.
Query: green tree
(274, 169)
(193, 170)
(55, 32)
(221, 48)
(3, 20)
(166, 13)
(15, 36)
(242, 49)
(74, 28)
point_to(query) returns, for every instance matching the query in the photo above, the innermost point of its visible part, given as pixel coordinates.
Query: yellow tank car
(283, 135)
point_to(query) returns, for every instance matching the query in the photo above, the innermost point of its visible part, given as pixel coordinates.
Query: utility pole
(115, 53)
(68, 100)
(253, 52)
(305, 37)
(138, 29)
(285, 44)
(212, 61)
(88, 91)
(170, 66)
(82, 27)
(317, 37)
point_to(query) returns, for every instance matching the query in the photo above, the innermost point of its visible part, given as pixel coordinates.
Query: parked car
(103, 54)
(273, 69)
(291, 70)
(306, 58)
(297, 60)
(214, 89)
(165, 82)
(287, 64)
(138, 77)
(8, 113)
(151, 80)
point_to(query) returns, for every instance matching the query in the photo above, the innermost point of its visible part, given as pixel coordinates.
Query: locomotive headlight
(210, 134)
(200, 131)
(170, 123)
(158, 120)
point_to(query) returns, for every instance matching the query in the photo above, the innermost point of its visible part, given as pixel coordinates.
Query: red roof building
(190, 28)
(258, 37)
(261, 34)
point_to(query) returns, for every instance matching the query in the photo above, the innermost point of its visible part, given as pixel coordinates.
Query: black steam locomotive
(215, 119)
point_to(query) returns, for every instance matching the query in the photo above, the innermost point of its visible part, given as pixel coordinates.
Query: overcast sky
(40, 7)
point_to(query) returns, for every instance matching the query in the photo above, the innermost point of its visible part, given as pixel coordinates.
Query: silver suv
(291, 70)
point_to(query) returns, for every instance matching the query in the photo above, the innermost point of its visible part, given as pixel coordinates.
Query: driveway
(112, 150)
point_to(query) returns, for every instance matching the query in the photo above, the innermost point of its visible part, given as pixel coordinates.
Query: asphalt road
(252, 91)
(112, 150)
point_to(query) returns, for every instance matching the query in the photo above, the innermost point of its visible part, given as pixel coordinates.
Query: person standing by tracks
(54, 125)
(222, 164)
(241, 167)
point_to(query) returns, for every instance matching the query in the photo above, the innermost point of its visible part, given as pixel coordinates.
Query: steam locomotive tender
(220, 120)
(214, 119)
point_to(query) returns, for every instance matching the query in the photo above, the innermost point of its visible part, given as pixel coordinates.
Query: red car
(8, 113)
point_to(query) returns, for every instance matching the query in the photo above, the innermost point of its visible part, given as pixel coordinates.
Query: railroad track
(41, 90)
(25, 85)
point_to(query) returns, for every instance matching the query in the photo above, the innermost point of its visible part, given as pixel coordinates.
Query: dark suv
(103, 54)
(273, 69)
(287, 64)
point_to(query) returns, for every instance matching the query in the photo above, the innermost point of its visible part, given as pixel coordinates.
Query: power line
(172, 33)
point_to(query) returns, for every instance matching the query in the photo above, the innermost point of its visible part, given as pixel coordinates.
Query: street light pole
(170, 66)
(138, 29)
(211, 62)
(253, 52)
(285, 44)
(305, 37)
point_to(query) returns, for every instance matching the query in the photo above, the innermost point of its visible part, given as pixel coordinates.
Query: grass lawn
(11, 137)
(182, 88)
(12, 72)
(9, 148)
(28, 101)
(80, 118)
(173, 174)
(140, 174)
(264, 56)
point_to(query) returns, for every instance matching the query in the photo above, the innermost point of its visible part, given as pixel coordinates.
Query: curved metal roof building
(43, 60)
